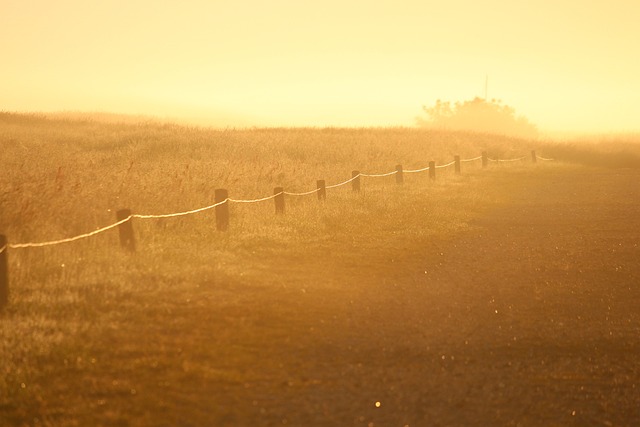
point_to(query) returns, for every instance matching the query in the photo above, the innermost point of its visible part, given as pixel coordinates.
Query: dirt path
(529, 318)
(543, 306)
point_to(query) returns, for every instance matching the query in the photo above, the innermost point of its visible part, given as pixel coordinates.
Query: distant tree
(477, 115)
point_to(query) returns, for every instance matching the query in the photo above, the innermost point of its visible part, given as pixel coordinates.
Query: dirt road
(530, 318)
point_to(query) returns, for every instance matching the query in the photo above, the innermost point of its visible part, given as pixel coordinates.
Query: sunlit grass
(62, 178)
(617, 151)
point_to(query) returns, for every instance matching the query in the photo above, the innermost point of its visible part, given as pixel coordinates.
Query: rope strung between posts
(190, 212)
(106, 228)
(416, 170)
(255, 200)
(343, 183)
(178, 213)
(302, 194)
(471, 160)
(446, 166)
(373, 175)
(507, 160)
(70, 239)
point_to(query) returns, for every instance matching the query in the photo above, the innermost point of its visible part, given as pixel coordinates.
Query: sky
(565, 65)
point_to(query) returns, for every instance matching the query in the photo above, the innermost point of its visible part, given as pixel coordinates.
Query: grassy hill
(200, 326)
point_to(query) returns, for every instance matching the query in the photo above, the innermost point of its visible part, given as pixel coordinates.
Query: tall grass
(614, 151)
(63, 177)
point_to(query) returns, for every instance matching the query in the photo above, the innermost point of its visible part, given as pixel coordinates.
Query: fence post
(456, 159)
(322, 189)
(4, 272)
(485, 159)
(355, 184)
(222, 210)
(534, 158)
(125, 230)
(399, 174)
(279, 199)
(432, 170)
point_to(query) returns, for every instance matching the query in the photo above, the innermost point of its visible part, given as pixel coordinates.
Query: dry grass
(614, 151)
(71, 303)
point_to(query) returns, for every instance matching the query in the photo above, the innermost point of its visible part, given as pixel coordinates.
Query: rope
(416, 170)
(542, 158)
(342, 183)
(70, 239)
(471, 160)
(507, 160)
(256, 200)
(108, 227)
(445, 166)
(378, 174)
(302, 194)
(178, 213)
(4, 248)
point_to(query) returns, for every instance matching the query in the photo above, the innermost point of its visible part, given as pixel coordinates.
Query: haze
(567, 66)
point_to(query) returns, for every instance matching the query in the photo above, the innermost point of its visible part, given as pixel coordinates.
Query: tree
(477, 115)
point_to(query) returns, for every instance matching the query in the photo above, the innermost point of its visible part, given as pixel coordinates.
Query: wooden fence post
(534, 158)
(456, 159)
(322, 189)
(127, 238)
(485, 159)
(355, 184)
(222, 210)
(279, 199)
(4, 273)
(432, 170)
(399, 175)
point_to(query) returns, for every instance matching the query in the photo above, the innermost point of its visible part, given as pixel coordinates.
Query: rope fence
(471, 160)
(343, 183)
(256, 200)
(446, 166)
(375, 175)
(221, 205)
(416, 170)
(508, 160)
(70, 239)
(171, 215)
(302, 194)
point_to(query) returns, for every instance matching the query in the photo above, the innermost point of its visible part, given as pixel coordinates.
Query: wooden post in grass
(127, 239)
(432, 170)
(355, 184)
(534, 158)
(4, 272)
(399, 174)
(485, 159)
(279, 199)
(322, 189)
(456, 159)
(222, 210)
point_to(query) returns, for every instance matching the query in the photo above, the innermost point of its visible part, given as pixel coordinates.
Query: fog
(566, 67)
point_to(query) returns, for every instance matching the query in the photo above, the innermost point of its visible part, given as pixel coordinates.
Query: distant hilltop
(214, 120)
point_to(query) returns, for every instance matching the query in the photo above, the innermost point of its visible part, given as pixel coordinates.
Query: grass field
(378, 308)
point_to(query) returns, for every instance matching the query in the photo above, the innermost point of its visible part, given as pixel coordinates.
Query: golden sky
(566, 65)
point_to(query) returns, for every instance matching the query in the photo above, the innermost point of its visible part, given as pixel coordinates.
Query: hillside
(499, 296)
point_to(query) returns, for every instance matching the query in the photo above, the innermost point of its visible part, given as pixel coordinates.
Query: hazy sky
(566, 65)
